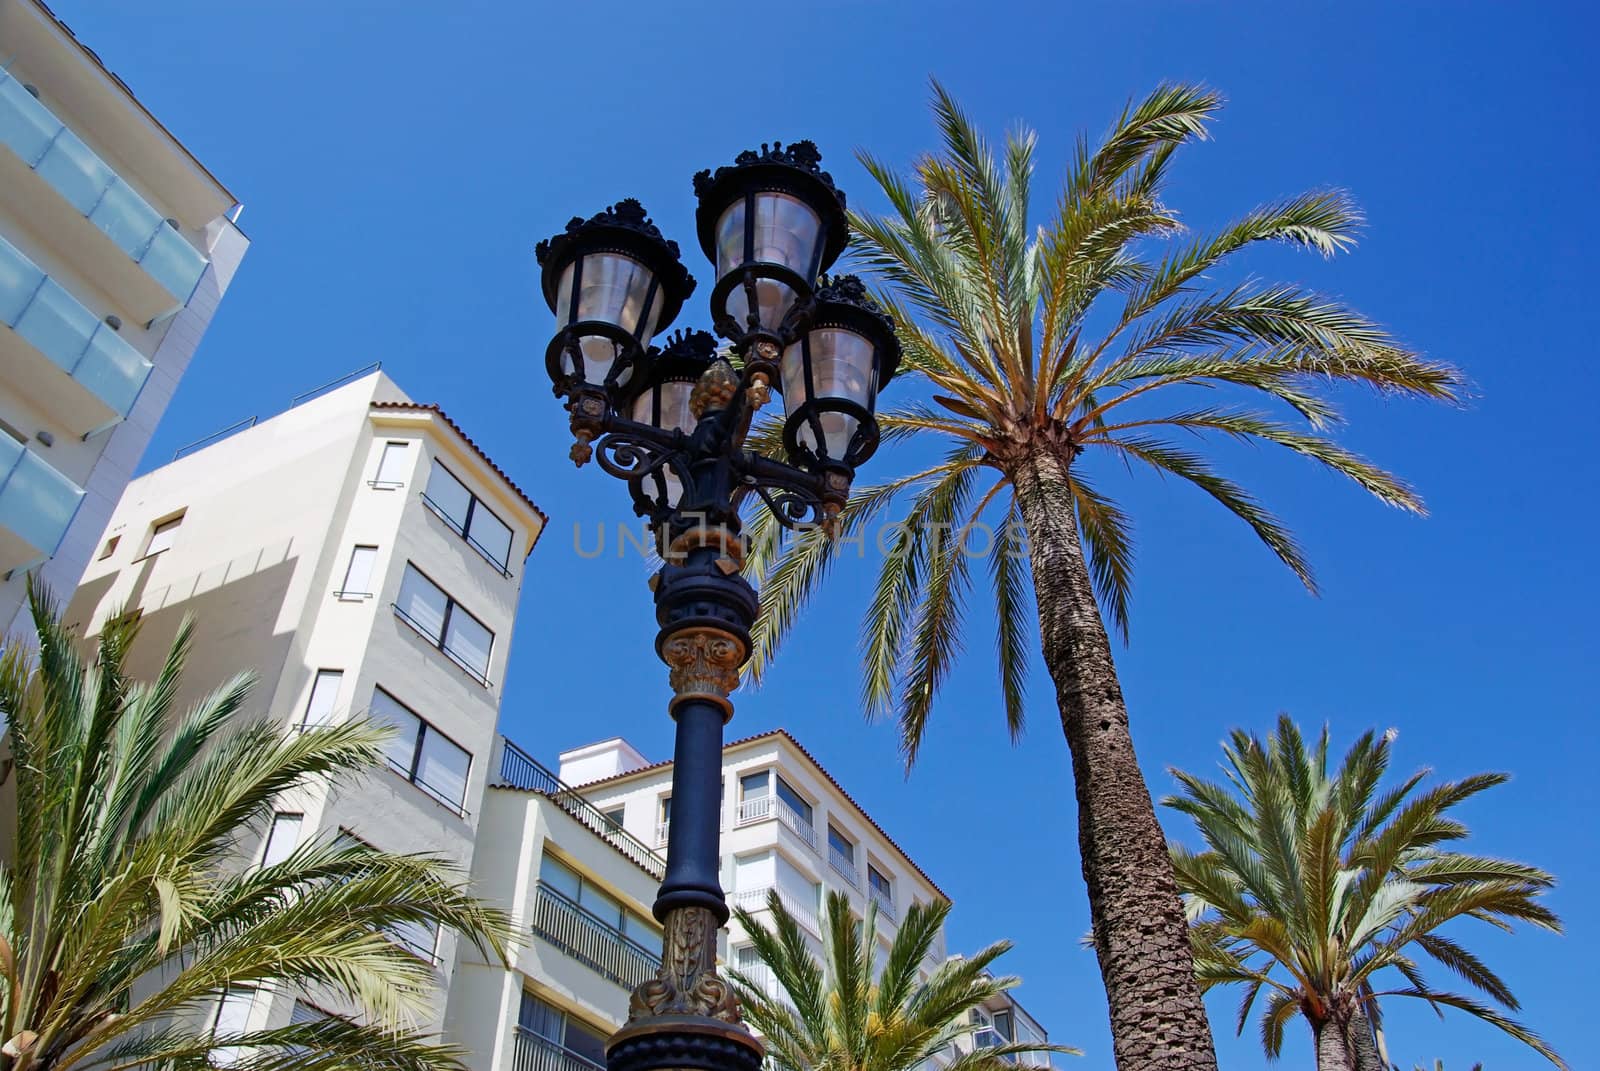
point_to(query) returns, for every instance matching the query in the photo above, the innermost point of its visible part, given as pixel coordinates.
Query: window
(464, 638)
(232, 1018)
(324, 696)
(841, 844)
(879, 884)
(162, 536)
(358, 574)
(796, 802)
(542, 1020)
(471, 519)
(421, 939)
(755, 786)
(393, 466)
(613, 817)
(282, 838)
(597, 903)
(110, 548)
(420, 753)
(663, 818)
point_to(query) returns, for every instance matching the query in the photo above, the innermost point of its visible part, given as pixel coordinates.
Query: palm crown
(1317, 885)
(125, 911)
(840, 1012)
(1074, 336)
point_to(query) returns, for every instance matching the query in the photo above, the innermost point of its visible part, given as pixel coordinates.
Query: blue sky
(398, 161)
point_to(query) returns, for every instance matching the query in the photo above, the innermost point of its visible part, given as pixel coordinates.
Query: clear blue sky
(398, 161)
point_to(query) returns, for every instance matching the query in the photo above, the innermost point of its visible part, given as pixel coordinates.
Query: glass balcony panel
(19, 278)
(126, 218)
(113, 369)
(37, 502)
(75, 171)
(26, 126)
(57, 325)
(173, 262)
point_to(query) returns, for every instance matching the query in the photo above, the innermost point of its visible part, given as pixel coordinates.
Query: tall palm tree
(124, 915)
(1319, 886)
(1045, 344)
(840, 1013)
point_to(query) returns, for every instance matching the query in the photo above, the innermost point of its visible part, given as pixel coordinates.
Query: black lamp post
(672, 423)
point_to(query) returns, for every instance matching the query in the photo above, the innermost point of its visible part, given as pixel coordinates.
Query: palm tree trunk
(1332, 1040)
(1158, 1020)
(1363, 1045)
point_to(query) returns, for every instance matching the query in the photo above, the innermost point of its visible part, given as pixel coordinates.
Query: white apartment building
(116, 246)
(577, 863)
(361, 554)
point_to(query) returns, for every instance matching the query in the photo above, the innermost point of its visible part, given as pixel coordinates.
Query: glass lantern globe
(771, 222)
(831, 375)
(613, 281)
(667, 383)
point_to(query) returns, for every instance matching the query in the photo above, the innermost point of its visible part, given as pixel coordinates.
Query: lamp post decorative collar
(672, 422)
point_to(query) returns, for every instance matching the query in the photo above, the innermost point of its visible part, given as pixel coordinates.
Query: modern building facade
(116, 247)
(361, 554)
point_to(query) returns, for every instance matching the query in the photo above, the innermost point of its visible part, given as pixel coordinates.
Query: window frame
(463, 528)
(345, 593)
(833, 832)
(624, 912)
(441, 642)
(378, 483)
(311, 697)
(806, 810)
(887, 889)
(424, 727)
(272, 833)
(166, 524)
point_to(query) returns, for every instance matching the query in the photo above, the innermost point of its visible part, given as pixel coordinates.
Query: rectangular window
(598, 904)
(795, 801)
(282, 838)
(421, 939)
(422, 754)
(393, 466)
(464, 638)
(466, 513)
(324, 697)
(613, 817)
(841, 844)
(232, 1018)
(755, 786)
(162, 536)
(110, 547)
(358, 574)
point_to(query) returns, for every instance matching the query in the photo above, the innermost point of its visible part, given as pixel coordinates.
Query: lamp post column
(687, 1016)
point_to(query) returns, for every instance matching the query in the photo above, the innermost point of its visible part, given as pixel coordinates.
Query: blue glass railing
(88, 183)
(36, 501)
(76, 341)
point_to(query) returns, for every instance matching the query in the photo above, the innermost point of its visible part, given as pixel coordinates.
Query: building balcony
(754, 900)
(530, 1052)
(885, 903)
(101, 222)
(76, 366)
(844, 866)
(598, 946)
(522, 771)
(37, 504)
(766, 808)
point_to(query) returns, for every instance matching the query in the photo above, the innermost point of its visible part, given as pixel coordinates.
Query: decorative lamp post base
(672, 1042)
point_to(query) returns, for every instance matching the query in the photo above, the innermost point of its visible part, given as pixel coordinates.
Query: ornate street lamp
(672, 422)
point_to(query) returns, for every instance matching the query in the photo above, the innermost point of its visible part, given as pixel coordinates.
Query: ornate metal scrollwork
(688, 982)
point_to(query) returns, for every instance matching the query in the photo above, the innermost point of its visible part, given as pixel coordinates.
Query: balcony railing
(761, 808)
(56, 326)
(90, 186)
(844, 866)
(37, 504)
(756, 900)
(522, 771)
(763, 979)
(885, 903)
(591, 941)
(530, 1052)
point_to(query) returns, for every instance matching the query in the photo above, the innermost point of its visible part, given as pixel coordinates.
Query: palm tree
(1044, 348)
(840, 1014)
(1319, 888)
(124, 913)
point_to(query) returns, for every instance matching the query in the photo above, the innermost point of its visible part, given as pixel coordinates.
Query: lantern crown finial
(801, 155)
